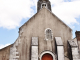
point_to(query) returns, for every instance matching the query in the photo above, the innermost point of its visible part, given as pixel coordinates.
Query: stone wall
(73, 50)
(35, 27)
(14, 54)
(78, 39)
(5, 53)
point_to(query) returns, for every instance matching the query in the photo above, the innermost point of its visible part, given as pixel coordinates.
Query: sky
(14, 13)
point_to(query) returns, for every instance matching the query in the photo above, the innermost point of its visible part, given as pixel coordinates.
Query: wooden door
(47, 57)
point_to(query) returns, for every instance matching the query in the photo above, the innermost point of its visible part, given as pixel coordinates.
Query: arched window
(44, 5)
(48, 34)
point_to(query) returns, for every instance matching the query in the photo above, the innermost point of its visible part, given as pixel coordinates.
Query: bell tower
(43, 3)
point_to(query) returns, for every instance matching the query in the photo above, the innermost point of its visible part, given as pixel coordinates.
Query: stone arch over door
(47, 55)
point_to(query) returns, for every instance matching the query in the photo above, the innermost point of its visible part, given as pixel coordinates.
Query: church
(43, 37)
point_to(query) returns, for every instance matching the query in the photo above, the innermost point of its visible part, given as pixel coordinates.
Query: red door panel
(47, 57)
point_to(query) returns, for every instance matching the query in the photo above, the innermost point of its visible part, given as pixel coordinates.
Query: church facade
(43, 37)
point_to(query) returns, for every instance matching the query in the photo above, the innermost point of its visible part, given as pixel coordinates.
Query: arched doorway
(47, 56)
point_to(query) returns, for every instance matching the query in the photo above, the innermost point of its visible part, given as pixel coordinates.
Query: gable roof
(6, 47)
(51, 13)
(61, 20)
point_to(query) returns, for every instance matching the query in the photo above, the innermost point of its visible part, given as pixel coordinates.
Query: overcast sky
(14, 13)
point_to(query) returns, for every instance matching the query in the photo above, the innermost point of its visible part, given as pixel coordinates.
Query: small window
(48, 34)
(44, 5)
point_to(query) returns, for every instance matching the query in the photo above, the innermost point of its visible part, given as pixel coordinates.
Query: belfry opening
(43, 3)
